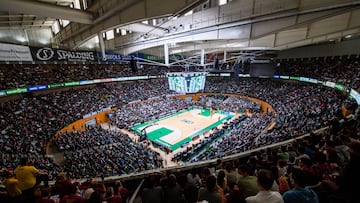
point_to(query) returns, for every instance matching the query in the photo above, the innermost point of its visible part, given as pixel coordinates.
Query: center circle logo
(44, 54)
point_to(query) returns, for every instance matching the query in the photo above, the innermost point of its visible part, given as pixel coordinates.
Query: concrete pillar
(166, 54)
(102, 45)
(202, 57)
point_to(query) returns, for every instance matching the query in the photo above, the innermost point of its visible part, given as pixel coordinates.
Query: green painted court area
(205, 112)
(158, 133)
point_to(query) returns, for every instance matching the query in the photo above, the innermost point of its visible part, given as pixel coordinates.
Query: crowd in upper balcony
(23, 75)
(343, 70)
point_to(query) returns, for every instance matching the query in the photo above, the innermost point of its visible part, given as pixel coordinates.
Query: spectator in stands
(62, 185)
(110, 197)
(210, 192)
(96, 197)
(265, 182)
(221, 181)
(152, 191)
(350, 176)
(247, 182)
(173, 193)
(73, 197)
(300, 194)
(28, 177)
(192, 186)
(235, 195)
(121, 191)
(45, 197)
(12, 187)
(231, 174)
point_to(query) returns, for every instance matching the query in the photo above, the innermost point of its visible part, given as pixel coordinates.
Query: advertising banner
(56, 85)
(16, 90)
(50, 54)
(110, 57)
(72, 83)
(354, 94)
(10, 52)
(37, 87)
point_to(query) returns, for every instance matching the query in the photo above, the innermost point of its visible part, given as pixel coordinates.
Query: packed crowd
(101, 153)
(94, 136)
(23, 75)
(118, 155)
(240, 138)
(320, 168)
(230, 103)
(60, 108)
(28, 123)
(344, 70)
(315, 106)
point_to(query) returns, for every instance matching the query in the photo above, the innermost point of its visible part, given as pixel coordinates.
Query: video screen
(186, 82)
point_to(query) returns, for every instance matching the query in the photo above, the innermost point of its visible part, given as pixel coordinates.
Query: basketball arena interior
(156, 101)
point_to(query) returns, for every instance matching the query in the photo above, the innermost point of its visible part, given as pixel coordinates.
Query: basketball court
(182, 127)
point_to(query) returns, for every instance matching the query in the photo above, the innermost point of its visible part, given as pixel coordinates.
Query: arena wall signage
(110, 57)
(16, 91)
(37, 88)
(10, 52)
(50, 54)
(115, 57)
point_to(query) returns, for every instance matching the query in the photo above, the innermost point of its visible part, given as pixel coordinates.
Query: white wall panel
(329, 25)
(288, 36)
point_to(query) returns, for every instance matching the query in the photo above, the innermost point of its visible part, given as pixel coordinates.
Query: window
(65, 22)
(84, 4)
(188, 13)
(96, 38)
(222, 2)
(110, 34)
(123, 32)
(76, 4)
(55, 27)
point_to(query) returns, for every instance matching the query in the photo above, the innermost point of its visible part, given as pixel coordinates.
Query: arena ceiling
(239, 27)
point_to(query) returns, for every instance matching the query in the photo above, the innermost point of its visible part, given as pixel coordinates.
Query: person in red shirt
(73, 197)
(62, 185)
(110, 197)
(45, 194)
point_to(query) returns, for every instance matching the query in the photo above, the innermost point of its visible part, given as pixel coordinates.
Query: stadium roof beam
(118, 14)
(43, 9)
(271, 32)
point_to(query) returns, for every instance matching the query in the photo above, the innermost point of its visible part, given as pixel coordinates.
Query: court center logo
(44, 54)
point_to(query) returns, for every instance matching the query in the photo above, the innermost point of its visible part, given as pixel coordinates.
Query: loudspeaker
(133, 65)
(216, 65)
